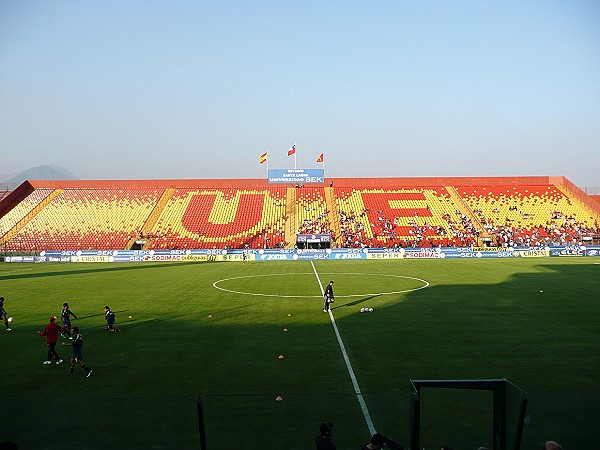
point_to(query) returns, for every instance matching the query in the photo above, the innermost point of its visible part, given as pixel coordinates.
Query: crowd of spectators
(387, 231)
(559, 229)
(352, 230)
(374, 229)
(318, 225)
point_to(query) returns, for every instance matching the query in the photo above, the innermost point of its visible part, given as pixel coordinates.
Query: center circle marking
(216, 285)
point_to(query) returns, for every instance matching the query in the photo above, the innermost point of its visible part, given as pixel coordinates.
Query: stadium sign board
(296, 176)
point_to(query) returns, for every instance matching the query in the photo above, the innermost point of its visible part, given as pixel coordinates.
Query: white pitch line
(216, 285)
(359, 396)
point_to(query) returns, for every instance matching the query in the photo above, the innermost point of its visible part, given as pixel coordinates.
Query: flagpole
(323, 162)
(295, 151)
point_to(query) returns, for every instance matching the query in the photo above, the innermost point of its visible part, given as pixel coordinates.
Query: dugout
(508, 411)
(313, 241)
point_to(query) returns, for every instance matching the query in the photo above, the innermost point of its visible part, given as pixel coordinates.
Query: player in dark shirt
(328, 296)
(3, 314)
(109, 316)
(77, 357)
(66, 319)
(378, 441)
(323, 440)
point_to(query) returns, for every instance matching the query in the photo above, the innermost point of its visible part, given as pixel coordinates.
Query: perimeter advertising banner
(570, 250)
(291, 254)
(592, 251)
(296, 176)
(385, 253)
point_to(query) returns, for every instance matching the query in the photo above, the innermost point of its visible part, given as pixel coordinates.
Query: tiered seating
(11, 218)
(355, 230)
(311, 211)
(88, 219)
(399, 217)
(528, 215)
(217, 218)
(239, 213)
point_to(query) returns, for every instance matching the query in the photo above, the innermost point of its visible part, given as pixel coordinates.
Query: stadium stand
(529, 215)
(9, 220)
(377, 212)
(312, 212)
(87, 219)
(221, 218)
(407, 217)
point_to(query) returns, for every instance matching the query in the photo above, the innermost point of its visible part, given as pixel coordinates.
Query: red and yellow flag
(263, 158)
(320, 158)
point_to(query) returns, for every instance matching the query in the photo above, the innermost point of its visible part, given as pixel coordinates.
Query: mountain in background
(45, 172)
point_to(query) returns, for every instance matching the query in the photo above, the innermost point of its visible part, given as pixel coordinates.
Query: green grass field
(475, 319)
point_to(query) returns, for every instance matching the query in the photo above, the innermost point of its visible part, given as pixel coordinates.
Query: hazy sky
(199, 89)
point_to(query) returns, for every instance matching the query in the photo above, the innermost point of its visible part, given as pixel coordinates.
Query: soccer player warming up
(110, 319)
(3, 314)
(66, 319)
(77, 357)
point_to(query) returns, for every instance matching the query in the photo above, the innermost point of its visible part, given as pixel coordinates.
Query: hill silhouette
(43, 172)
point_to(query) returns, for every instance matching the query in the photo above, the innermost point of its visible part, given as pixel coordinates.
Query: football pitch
(242, 335)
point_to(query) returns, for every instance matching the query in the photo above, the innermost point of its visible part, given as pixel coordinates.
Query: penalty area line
(359, 396)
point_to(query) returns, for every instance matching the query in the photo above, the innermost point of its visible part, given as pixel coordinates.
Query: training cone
(278, 398)
(285, 329)
(210, 316)
(131, 317)
(281, 356)
(290, 315)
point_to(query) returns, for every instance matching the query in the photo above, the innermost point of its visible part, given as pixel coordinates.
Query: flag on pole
(292, 150)
(320, 158)
(263, 158)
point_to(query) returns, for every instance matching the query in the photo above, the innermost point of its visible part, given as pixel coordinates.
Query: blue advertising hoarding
(295, 254)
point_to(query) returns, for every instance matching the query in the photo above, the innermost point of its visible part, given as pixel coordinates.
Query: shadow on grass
(99, 314)
(356, 302)
(545, 342)
(114, 267)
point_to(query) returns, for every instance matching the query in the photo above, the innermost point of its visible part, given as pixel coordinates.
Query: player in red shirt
(51, 332)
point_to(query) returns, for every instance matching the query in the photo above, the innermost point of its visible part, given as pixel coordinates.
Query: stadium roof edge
(339, 182)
